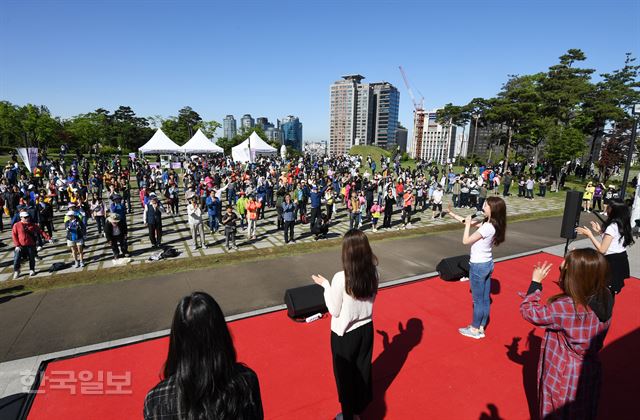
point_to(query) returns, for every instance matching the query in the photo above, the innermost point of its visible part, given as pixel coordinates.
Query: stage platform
(427, 370)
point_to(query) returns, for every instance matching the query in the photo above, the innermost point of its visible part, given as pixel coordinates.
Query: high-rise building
(386, 103)
(229, 126)
(438, 141)
(263, 122)
(401, 138)
(344, 112)
(482, 138)
(291, 132)
(273, 133)
(362, 113)
(247, 121)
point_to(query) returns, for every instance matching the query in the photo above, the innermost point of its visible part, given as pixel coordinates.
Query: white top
(616, 243)
(347, 313)
(481, 250)
(437, 196)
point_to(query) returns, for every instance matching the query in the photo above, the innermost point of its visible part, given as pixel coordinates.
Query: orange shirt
(252, 209)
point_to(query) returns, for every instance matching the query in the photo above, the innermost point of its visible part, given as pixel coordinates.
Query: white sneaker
(16, 274)
(39, 248)
(77, 264)
(32, 273)
(81, 264)
(464, 279)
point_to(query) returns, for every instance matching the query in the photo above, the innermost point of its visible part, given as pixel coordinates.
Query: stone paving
(176, 233)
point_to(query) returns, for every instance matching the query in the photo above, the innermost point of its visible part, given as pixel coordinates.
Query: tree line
(34, 126)
(559, 114)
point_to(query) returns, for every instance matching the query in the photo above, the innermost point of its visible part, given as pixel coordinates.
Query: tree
(610, 101)
(564, 144)
(208, 128)
(514, 107)
(564, 87)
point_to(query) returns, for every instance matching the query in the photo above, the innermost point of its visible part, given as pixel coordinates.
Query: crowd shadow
(492, 413)
(528, 359)
(388, 364)
(10, 293)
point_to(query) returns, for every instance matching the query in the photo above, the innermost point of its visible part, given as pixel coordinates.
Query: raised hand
(540, 271)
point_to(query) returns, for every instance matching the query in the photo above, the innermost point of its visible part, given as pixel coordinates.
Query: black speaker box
(305, 301)
(571, 217)
(453, 268)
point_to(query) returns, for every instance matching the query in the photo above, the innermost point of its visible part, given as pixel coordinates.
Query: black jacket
(108, 229)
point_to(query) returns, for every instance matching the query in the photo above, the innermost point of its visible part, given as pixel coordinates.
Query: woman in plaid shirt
(576, 322)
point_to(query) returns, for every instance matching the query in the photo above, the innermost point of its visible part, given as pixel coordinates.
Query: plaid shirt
(161, 402)
(569, 371)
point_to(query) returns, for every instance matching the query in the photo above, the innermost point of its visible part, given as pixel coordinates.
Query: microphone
(473, 216)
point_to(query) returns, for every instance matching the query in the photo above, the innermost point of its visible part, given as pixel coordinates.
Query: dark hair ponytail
(620, 215)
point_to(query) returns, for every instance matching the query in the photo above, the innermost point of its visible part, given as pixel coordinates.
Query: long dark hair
(620, 214)
(359, 264)
(498, 218)
(202, 359)
(583, 277)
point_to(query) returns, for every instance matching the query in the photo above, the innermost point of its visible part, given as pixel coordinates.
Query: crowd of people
(221, 196)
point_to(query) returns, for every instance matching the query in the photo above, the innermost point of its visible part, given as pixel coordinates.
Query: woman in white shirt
(615, 237)
(349, 299)
(491, 232)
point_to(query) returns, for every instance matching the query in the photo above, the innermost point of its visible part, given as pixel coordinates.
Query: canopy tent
(159, 143)
(250, 148)
(199, 143)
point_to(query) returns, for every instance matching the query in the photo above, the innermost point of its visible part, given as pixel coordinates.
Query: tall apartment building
(386, 103)
(273, 133)
(263, 122)
(438, 141)
(482, 139)
(291, 128)
(229, 126)
(362, 113)
(247, 121)
(401, 138)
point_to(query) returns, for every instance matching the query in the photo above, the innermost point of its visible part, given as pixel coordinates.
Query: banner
(29, 157)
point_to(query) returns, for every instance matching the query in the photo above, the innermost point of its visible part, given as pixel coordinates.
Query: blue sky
(278, 58)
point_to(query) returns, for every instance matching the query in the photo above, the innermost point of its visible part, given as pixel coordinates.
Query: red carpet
(428, 371)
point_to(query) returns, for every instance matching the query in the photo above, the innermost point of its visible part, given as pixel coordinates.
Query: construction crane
(418, 118)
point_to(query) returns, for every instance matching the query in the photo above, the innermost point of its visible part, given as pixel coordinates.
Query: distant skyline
(279, 58)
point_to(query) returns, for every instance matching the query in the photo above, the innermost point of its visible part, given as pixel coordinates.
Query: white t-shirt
(437, 197)
(347, 313)
(616, 243)
(481, 250)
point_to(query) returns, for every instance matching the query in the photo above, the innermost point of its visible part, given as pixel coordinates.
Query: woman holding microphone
(349, 298)
(491, 232)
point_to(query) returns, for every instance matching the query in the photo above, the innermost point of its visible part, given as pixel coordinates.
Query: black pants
(315, 213)
(351, 355)
(505, 192)
(387, 220)
(288, 231)
(155, 234)
(329, 211)
(119, 246)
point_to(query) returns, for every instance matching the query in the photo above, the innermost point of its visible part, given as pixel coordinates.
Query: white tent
(250, 148)
(199, 143)
(159, 143)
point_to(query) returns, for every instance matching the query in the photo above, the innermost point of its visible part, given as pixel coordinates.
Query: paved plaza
(176, 234)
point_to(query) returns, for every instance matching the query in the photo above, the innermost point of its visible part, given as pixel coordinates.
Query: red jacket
(24, 234)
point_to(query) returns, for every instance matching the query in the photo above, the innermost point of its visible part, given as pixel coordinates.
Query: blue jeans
(30, 252)
(213, 223)
(480, 281)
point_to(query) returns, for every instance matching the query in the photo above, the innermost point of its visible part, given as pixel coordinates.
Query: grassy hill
(373, 151)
